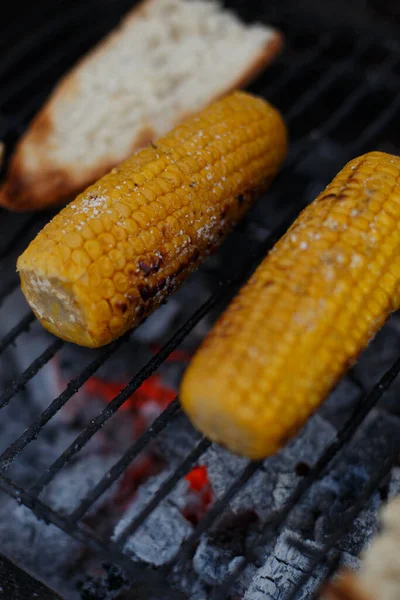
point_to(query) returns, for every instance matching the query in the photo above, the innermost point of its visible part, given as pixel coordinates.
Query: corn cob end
(61, 308)
(229, 423)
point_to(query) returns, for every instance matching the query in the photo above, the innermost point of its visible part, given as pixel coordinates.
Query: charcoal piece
(160, 536)
(37, 547)
(73, 483)
(310, 442)
(282, 570)
(219, 550)
(177, 440)
(332, 496)
(338, 407)
(362, 530)
(295, 460)
(94, 589)
(348, 561)
(186, 580)
(224, 467)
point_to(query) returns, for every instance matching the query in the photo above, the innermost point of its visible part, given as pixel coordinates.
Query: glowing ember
(151, 390)
(177, 356)
(200, 494)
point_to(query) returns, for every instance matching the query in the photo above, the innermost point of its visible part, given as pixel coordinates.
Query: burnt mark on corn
(193, 184)
(327, 197)
(145, 267)
(132, 299)
(154, 145)
(241, 198)
(148, 292)
(268, 283)
(150, 264)
(122, 307)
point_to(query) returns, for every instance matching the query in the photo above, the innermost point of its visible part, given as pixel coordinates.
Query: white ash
(220, 549)
(159, 538)
(326, 503)
(42, 549)
(185, 579)
(362, 531)
(282, 570)
(285, 566)
(223, 468)
(73, 483)
(45, 549)
(300, 453)
(310, 442)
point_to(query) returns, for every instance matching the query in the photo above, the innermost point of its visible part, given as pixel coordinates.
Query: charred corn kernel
(143, 227)
(304, 316)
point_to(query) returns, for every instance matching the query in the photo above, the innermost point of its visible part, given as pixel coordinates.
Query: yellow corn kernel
(145, 226)
(303, 317)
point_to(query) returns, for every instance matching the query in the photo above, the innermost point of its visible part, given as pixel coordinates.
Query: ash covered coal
(218, 551)
(44, 549)
(159, 538)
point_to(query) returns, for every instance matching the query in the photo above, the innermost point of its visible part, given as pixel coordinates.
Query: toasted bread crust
(26, 189)
(346, 587)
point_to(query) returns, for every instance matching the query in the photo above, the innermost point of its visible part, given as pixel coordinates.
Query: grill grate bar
(323, 84)
(158, 425)
(379, 123)
(81, 532)
(213, 513)
(362, 409)
(12, 335)
(163, 491)
(344, 110)
(345, 524)
(11, 453)
(291, 69)
(358, 94)
(28, 374)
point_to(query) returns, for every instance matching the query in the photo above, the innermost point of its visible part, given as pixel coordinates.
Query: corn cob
(304, 315)
(114, 254)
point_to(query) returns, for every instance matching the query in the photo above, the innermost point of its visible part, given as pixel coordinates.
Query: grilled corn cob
(305, 314)
(114, 254)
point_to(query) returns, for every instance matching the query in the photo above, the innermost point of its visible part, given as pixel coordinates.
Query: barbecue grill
(338, 86)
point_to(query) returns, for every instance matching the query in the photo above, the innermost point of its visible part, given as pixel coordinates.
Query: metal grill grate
(344, 75)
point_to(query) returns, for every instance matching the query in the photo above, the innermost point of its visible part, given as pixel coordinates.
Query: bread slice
(167, 59)
(345, 587)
